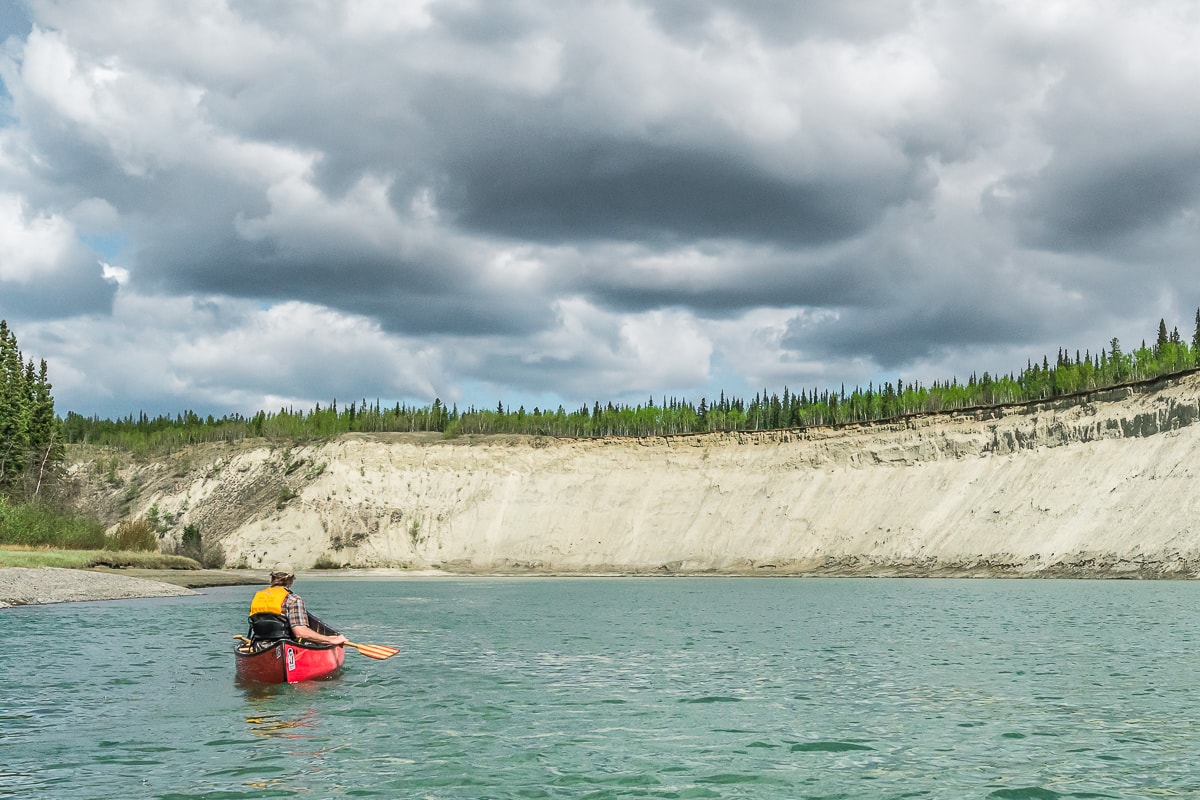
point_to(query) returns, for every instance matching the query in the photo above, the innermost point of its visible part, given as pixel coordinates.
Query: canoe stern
(288, 662)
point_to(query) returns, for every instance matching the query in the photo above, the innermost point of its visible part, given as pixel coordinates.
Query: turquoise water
(614, 688)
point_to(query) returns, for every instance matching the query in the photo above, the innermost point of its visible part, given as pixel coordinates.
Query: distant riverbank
(44, 585)
(22, 586)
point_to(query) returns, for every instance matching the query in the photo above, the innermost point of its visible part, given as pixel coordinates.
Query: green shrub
(137, 534)
(159, 520)
(111, 475)
(80, 533)
(192, 545)
(213, 556)
(39, 525)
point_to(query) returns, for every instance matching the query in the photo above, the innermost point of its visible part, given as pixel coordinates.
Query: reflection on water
(256, 691)
(762, 688)
(280, 727)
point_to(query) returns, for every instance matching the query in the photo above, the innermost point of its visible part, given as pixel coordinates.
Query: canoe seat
(269, 626)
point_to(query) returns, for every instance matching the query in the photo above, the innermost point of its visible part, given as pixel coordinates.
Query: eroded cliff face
(1104, 484)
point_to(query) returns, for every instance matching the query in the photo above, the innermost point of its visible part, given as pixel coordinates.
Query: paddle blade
(376, 651)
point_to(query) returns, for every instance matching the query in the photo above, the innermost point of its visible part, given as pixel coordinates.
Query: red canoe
(287, 661)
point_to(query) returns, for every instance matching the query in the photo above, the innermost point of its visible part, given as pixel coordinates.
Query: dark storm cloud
(784, 22)
(1121, 162)
(1098, 204)
(544, 188)
(894, 338)
(741, 292)
(74, 295)
(404, 296)
(483, 23)
(554, 197)
(721, 281)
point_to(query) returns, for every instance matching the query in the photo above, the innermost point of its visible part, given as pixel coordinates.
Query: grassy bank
(33, 558)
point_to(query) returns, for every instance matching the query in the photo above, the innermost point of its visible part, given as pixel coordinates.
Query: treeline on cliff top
(1066, 374)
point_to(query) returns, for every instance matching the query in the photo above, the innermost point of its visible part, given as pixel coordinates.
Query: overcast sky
(225, 206)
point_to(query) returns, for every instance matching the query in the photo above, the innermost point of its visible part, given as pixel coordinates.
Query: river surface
(615, 688)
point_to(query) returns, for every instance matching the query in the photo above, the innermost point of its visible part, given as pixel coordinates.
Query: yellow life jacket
(269, 601)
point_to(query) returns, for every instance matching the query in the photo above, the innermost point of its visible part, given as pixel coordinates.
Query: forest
(1066, 374)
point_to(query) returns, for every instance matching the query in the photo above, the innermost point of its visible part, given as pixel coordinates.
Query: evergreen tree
(30, 443)
(14, 420)
(45, 444)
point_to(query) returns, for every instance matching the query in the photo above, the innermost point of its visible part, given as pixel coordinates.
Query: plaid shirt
(294, 611)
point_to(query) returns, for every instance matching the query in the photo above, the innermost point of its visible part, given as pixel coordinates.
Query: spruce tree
(45, 444)
(30, 444)
(14, 415)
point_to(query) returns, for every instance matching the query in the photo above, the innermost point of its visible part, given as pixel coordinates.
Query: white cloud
(146, 122)
(304, 216)
(216, 355)
(117, 275)
(32, 246)
(663, 348)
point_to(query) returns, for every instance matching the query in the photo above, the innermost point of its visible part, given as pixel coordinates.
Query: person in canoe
(279, 613)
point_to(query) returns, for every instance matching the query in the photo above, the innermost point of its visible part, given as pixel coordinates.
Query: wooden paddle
(376, 651)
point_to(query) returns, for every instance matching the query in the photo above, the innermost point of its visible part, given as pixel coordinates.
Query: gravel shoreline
(21, 586)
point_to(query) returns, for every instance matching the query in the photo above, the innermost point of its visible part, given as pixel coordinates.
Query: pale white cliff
(1104, 484)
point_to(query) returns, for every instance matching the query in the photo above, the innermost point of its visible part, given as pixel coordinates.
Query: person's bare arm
(308, 634)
